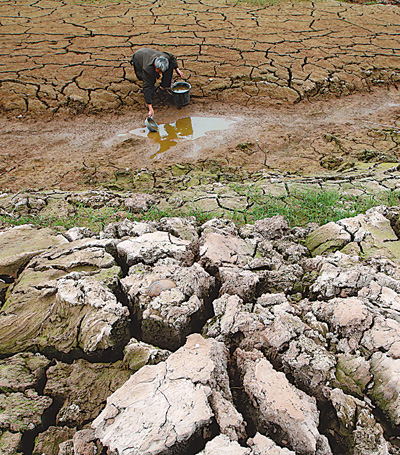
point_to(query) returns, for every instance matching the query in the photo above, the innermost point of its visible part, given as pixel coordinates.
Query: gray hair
(162, 63)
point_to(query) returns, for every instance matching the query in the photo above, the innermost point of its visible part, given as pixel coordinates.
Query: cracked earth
(310, 86)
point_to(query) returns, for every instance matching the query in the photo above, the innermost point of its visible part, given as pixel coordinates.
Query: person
(149, 65)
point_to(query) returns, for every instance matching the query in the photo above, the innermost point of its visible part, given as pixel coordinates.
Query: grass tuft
(319, 207)
(299, 209)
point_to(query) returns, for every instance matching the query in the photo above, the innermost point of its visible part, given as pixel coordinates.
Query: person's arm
(174, 65)
(151, 111)
(148, 90)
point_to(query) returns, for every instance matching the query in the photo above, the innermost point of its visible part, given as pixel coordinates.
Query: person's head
(161, 64)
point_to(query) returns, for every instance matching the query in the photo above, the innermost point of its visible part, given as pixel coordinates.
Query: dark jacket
(143, 60)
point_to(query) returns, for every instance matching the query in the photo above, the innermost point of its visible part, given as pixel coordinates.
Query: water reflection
(181, 128)
(187, 128)
(167, 135)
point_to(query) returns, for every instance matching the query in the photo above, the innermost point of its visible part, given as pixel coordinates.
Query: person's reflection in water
(165, 142)
(182, 128)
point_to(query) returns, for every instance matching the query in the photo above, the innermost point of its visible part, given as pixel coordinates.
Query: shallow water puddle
(184, 129)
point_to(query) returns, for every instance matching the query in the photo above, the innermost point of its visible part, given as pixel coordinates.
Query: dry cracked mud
(310, 87)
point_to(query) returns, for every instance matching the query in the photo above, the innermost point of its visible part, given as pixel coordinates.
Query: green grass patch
(299, 209)
(94, 219)
(97, 219)
(310, 206)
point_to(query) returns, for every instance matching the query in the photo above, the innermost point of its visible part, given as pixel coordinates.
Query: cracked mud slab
(74, 54)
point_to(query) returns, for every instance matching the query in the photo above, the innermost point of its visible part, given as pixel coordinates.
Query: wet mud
(307, 138)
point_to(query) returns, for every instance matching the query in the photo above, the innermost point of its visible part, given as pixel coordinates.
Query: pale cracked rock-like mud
(273, 351)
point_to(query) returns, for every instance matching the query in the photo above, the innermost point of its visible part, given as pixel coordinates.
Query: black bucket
(181, 93)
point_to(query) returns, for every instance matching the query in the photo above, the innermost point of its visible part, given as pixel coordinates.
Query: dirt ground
(306, 138)
(310, 87)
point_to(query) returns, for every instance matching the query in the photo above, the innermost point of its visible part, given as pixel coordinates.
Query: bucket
(151, 124)
(181, 93)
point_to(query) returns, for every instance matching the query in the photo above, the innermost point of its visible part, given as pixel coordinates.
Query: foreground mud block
(173, 404)
(62, 303)
(275, 404)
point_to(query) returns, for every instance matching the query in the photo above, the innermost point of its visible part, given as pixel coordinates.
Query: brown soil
(307, 138)
(256, 64)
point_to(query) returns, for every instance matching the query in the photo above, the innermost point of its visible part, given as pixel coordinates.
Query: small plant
(321, 206)
(155, 214)
(299, 209)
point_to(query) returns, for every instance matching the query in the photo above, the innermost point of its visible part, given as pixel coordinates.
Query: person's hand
(151, 111)
(179, 72)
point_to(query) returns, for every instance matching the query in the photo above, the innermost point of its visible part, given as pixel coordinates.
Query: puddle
(184, 129)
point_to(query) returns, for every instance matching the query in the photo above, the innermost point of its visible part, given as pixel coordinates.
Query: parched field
(310, 86)
(76, 52)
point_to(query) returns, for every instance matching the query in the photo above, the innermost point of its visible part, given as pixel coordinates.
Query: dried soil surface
(310, 86)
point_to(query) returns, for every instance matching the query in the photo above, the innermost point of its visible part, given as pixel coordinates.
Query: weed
(319, 207)
(155, 214)
(298, 208)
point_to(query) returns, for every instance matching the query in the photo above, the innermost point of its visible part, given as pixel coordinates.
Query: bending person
(149, 65)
